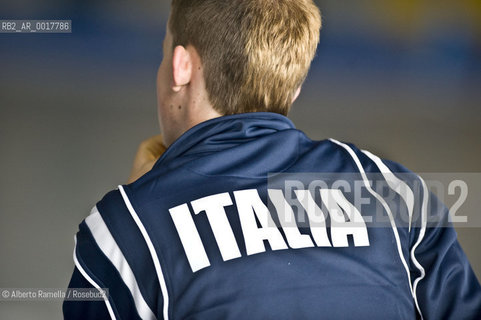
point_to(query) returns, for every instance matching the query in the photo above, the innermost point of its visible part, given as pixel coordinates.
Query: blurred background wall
(401, 78)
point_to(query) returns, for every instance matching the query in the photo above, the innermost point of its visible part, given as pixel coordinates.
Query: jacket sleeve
(444, 284)
(85, 309)
(98, 265)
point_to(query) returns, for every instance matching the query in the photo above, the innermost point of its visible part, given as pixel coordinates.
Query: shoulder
(363, 160)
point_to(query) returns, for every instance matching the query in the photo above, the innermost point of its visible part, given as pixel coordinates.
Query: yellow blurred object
(406, 19)
(148, 153)
(473, 10)
(403, 18)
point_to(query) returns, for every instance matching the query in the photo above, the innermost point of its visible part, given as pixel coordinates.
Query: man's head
(251, 55)
(255, 53)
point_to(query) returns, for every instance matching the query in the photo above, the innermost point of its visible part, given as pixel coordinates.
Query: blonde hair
(255, 53)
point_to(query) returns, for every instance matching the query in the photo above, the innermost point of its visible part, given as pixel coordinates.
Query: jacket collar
(225, 132)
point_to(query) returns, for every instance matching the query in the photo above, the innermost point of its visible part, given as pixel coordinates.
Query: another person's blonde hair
(255, 53)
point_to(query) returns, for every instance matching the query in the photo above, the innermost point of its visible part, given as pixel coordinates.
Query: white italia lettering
(345, 220)
(334, 200)
(224, 236)
(250, 205)
(317, 219)
(294, 237)
(189, 237)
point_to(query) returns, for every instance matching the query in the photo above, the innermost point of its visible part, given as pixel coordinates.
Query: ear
(296, 94)
(181, 68)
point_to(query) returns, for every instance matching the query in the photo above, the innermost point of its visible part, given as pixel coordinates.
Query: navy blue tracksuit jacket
(244, 217)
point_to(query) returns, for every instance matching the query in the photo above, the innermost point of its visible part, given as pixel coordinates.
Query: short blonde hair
(255, 53)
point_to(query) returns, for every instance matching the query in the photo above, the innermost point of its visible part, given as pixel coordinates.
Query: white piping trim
(424, 218)
(109, 247)
(384, 204)
(91, 281)
(399, 185)
(396, 184)
(153, 253)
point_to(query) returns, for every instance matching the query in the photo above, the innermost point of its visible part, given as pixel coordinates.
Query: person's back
(244, 217)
